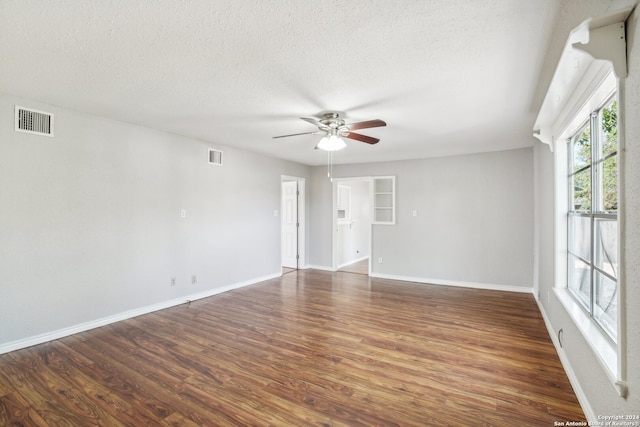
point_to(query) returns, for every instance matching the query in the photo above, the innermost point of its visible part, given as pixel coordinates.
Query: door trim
(302, 228)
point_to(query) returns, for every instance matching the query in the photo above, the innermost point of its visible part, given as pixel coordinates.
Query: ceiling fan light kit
(331, 143)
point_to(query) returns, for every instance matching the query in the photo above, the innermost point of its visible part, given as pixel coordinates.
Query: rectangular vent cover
(215, 157)
(33, 121)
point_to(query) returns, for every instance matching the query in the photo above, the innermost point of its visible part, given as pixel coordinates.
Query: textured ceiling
(448, 76)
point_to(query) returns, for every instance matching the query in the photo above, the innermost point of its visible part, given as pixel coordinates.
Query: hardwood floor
(360, 267)
(287, 270)
(310, 348)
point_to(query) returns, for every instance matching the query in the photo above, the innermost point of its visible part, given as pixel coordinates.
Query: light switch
(415, 213)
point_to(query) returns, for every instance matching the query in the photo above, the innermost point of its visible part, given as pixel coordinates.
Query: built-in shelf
(384, 206)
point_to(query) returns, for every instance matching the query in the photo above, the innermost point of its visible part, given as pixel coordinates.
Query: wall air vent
(215, 157)
(33, 121)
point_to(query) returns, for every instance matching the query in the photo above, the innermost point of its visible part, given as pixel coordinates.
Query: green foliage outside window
(582, 179)
(582, 158)
(609, 123)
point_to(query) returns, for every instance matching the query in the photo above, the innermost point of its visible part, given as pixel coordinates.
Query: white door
(290, 224)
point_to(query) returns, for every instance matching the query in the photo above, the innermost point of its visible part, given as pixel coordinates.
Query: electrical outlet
(173, 281)
(194, 279)
(183, 213)
(380, 260)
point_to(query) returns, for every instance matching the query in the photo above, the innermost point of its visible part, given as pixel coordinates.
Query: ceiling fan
(334, 128)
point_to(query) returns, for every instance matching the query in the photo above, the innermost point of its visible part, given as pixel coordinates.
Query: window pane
(609, 128)
(610, 184)
(580, 280)
(606, 234)
(582, 149)
(582, 191)
(606, 310)
(580, 236)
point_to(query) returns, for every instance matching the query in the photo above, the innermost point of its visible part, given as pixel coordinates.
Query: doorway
(292, 224)
(352, 225)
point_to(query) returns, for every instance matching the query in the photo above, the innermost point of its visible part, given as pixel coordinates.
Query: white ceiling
(448, 76)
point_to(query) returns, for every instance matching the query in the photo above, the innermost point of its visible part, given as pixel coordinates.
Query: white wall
(474, 223)
(631, 251)
(90, 221)
(320, 219)
(591, 382)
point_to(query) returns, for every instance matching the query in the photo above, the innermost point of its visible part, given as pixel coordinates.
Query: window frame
(594, 93)
(595, 214)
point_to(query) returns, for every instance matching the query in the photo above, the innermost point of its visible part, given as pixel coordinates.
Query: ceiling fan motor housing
(332, 120)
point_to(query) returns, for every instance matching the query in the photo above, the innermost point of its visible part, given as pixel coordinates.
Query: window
(579, 119)
(592, 220)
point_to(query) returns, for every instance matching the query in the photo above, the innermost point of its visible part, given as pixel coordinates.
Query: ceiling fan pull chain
(331, 165)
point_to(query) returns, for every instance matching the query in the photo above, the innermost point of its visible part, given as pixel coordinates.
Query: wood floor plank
(309, 348)
(16, 410)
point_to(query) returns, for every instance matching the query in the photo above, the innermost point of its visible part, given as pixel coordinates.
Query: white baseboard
(329, 268)
(321, 267)
(352, 262)
(487, 286)
(301, 267)
(61, 333)
(573, 379)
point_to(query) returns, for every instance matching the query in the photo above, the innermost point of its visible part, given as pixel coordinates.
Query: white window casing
(579, 73)
(588, 73)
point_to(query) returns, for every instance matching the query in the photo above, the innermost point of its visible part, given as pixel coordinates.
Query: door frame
(301, 240)
(334, 216)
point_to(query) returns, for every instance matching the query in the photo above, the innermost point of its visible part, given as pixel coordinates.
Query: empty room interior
(343, 213)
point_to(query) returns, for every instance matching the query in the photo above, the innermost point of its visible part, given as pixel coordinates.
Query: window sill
(602, 346)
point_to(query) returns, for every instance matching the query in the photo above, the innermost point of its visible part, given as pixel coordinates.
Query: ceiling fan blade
(314, 122)
(365, 125)
(311, 120)
(297, 134)
(360, 137)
